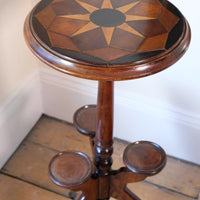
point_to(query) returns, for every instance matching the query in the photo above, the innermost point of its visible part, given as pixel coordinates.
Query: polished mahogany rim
(77, 180)
(81, 121)
(150, 156)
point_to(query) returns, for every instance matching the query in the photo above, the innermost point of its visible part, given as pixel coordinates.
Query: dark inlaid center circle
(107, 17)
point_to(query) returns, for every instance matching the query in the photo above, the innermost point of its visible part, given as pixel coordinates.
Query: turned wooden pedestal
(106, 40)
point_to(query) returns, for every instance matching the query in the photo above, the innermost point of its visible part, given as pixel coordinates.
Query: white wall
(20, 103)
(16, 62)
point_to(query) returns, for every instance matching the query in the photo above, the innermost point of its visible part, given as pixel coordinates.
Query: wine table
(106, 40)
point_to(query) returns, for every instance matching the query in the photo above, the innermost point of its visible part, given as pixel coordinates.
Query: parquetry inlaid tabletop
(107, 39)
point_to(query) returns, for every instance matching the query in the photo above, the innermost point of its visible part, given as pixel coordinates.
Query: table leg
(103, 141)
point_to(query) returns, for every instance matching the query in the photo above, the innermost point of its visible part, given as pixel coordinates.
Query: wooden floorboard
(15, 189)
(28, 167)
(30, 163)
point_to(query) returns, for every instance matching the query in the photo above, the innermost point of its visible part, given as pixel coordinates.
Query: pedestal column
(103, 142)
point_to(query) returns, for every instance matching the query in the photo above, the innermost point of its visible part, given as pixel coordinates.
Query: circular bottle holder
(85, 120)
(70, 169)
(144, 157)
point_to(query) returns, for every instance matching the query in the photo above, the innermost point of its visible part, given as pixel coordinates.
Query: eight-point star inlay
(105, 30)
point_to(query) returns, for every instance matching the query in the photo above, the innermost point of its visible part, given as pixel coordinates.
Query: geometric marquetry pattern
(88, 29)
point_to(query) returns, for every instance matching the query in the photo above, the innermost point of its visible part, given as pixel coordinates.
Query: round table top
(107, 39)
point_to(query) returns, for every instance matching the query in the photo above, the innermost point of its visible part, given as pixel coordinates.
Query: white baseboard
(134, 119)
(18, 115)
